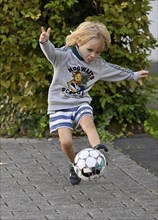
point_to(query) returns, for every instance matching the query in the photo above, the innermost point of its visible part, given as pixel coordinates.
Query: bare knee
(87, 123)
(65, 138)
(66, 144)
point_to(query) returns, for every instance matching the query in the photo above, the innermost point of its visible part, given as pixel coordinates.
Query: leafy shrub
(151, 125)
(26, 73)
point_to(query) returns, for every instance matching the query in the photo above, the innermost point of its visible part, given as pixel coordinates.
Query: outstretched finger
(140, 82)
(48, 31)
(42, 29)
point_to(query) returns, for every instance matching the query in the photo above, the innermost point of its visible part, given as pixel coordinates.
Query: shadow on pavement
(142, 148)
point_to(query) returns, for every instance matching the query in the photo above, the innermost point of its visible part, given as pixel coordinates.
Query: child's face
(90, 51)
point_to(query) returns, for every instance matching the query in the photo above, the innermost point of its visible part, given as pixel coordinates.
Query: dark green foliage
(26, 73)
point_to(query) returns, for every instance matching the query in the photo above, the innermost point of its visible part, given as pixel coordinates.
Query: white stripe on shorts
(69, 117)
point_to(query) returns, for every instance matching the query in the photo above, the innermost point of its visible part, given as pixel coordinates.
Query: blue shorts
(69, 118)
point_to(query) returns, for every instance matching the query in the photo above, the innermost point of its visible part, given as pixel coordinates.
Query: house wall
(153, 18)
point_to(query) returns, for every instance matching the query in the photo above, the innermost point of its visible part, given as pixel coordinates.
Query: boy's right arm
(46, 46)
(54, 55)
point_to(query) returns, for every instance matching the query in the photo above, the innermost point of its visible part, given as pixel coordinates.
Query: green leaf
(5, 84)
(16, 99)
(34, 44)
(5, 7)
(124, 5)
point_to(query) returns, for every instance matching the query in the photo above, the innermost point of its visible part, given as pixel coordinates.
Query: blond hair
(88, 30)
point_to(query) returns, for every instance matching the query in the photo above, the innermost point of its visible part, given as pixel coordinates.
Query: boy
(77, 67)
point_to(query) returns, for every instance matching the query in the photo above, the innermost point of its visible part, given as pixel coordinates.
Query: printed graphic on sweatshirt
(78, 84)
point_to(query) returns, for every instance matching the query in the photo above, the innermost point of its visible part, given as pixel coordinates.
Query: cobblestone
(35, 185)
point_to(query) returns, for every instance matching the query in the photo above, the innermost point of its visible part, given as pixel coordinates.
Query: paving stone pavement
(34, 185)
(141, 148)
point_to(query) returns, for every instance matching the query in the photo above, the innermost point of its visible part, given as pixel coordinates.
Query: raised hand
(44, 36)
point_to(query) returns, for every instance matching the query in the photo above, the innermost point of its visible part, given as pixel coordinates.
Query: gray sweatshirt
(73, 78)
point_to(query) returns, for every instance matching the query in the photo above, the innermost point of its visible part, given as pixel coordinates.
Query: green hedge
(26, 73)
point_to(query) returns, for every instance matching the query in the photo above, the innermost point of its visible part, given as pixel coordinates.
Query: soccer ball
(89, 164)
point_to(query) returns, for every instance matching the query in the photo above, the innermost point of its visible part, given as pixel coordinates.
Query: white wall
(153, 17)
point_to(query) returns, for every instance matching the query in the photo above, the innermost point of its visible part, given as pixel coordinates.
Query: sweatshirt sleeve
(54, 55)
(113, 72)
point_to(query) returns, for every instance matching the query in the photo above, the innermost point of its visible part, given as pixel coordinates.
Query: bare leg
(65, 138)
(89, 128)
